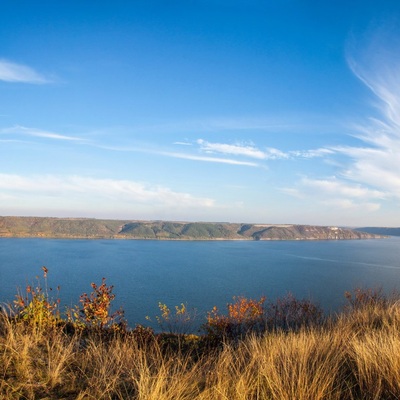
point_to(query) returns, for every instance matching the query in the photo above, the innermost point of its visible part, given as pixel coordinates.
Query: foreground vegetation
(255, 350)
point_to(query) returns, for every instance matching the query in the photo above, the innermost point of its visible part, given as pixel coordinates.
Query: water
(200, 274)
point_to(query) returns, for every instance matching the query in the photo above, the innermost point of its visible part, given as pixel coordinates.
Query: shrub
(290, 314)
(244, 316)
(35, 306)
(253, 316)
(95, 310)
(361, 298)
(143, 335)
(179, 322)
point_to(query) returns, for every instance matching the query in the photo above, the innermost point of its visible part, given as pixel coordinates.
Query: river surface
(201, 274)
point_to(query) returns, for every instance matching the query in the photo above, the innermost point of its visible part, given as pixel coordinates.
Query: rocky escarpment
(164, 230)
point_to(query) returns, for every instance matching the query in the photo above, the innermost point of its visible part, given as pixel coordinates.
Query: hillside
(75, 228)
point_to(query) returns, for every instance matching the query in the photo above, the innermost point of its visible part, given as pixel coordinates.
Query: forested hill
(76, 228)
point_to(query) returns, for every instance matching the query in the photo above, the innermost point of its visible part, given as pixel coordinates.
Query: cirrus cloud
(86, 189)
(239, 150)
(337, 193)
(367, 175)
(25, 131)
(250, 151)
(19, 73)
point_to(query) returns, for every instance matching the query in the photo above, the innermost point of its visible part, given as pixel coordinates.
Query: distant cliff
(77, 228)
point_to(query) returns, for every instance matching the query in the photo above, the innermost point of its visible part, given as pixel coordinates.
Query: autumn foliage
(245, 316)
(95, 308)
(258, 349)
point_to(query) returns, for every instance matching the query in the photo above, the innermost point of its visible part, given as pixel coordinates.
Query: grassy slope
(96, 228)
(58, 227)
(356, 356)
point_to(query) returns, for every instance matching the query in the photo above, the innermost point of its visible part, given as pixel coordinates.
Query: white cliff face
(308, 232)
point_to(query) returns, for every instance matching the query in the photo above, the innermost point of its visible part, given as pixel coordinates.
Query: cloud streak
(237, 150)
(217, 160)
(199, 150)
(377, 163)
(250, 151)
(24, 131)
(19, 73)
(181, 155)
(87, 189)
(337, 193)
(334, 187)
(367, 175)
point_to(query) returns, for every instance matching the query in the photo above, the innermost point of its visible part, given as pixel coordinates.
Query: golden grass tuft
(353, 356)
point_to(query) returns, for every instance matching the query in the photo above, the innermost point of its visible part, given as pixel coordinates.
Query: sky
(281, 112)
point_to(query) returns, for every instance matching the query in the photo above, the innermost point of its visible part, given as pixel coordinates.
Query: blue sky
(238, 111)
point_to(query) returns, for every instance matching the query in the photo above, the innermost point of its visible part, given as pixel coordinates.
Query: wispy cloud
(217, 160)
(337, 193)
(377, 162)
(25, 131)
(375, 167)
(88, 189)
(181, 155)
(238, 150)
(251, 151)
(313, 153)
(368, 174)
(183, 143)
(336, 187)
(13, 72)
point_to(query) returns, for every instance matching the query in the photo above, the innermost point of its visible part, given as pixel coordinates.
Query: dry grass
(354, 356)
